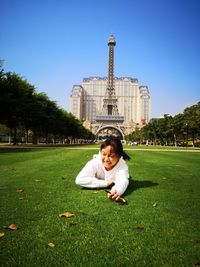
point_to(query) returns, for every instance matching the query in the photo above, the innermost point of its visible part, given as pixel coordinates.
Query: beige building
(133, 100)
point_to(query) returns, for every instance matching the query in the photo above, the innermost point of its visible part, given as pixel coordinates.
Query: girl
(107, 170)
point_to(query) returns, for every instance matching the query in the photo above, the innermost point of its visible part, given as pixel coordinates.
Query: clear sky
(54, 44)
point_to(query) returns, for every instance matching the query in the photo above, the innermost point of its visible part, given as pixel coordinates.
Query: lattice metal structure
(110, 114)
(110, 100)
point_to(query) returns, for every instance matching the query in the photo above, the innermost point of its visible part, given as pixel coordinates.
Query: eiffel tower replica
(109, 117)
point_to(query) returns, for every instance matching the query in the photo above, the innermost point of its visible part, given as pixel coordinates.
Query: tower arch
(109, 130)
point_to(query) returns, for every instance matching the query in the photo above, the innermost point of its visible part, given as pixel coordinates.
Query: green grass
(102, 232)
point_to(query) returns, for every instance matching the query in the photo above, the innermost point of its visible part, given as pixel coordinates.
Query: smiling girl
(108, 169)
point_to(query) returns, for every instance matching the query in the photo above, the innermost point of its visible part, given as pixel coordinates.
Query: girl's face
(109, 158)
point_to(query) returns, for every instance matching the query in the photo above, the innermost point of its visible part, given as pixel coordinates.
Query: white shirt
(94, 175)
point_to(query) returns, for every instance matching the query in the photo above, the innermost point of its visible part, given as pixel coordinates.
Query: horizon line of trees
(24, 112)
(180, 130)
(31, 115)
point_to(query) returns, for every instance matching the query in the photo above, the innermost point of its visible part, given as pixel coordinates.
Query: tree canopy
(178, 130)
(23, 109)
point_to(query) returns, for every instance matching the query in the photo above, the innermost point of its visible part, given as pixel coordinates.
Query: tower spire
(110, 101)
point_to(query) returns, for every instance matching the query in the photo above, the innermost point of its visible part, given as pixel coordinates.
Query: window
(110, 107)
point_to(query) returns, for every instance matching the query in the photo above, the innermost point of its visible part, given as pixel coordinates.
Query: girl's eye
(110, 156)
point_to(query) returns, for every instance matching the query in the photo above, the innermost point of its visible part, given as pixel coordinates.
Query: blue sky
(55, 44)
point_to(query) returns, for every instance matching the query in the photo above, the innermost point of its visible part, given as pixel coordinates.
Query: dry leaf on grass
(20, 190)
(51, 245)
(67, 215)
(2, 234)
(197, 262)
(12, 227)
(197, 241)
(122, 201)
(139, 227)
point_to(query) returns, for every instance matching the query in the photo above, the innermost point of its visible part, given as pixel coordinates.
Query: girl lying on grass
(108, 169)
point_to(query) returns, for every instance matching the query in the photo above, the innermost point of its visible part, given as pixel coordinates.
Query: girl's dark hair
(117, 147)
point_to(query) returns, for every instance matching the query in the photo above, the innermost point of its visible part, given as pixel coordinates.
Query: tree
(24, 110)
(192, 122)
(177, 126)
(15, 95)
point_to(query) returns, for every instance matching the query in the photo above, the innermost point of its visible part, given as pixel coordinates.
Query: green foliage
(22, 108)
(102, 233)
(192, 121)
(171, 130)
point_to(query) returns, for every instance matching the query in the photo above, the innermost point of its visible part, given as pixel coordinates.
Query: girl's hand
(113, 195)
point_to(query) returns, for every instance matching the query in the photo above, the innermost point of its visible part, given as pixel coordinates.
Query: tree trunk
(175, 142)
(26, 136)
(10, 137)
(34, 139)
(193, 143)
(15, 136)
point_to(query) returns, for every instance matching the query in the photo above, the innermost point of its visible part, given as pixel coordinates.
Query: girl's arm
(121, 183)
(87, 177)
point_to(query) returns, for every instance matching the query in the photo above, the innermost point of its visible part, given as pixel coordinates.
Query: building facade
(90, 100)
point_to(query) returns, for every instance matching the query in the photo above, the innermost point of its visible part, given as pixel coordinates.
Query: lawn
(160, 226)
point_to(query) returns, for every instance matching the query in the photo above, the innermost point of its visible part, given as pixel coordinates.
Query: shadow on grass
(39, 147)
(135, 185)
(14, 150)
